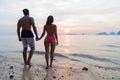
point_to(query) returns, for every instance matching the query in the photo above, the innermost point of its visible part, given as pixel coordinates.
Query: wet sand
(14, 69)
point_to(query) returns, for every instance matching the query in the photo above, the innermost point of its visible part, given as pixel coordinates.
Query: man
(26, 35)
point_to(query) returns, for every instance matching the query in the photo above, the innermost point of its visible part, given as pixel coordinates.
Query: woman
(50, 40)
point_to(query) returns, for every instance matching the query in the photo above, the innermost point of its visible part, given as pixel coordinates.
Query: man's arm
(18, 30)
(56, 36)
(43, 33)
(34, 28)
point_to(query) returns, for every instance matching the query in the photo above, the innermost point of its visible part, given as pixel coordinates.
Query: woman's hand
(37, 38)
(56, 43)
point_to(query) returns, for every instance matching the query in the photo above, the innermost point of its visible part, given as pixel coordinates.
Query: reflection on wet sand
(27, 73)
(63, 71)
(49, 74)
(59, 72)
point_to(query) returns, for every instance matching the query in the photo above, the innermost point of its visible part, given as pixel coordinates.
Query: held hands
(37, 38)
(20, 39)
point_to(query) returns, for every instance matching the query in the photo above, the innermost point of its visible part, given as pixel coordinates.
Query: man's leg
(31, 43)
(25, 55)
(24, 42)
(30, 55)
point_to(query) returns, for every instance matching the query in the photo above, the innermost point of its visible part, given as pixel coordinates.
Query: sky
(71, 16)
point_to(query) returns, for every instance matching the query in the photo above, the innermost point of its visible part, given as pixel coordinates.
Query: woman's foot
(50, 65)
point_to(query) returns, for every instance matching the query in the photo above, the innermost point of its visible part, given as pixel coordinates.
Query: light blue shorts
(28, 41)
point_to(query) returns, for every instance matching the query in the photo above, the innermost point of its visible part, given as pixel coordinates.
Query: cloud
(67, 13)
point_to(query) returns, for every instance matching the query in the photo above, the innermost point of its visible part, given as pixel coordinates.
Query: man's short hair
(25, 11)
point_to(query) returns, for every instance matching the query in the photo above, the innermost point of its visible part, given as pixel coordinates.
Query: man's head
(25, 11)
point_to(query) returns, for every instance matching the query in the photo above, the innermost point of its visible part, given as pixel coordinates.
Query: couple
(27, 37)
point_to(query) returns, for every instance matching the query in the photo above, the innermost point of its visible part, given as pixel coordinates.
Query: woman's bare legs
(46, 44)
(52, 52)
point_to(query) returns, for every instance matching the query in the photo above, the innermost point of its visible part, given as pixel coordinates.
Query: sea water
(93, 50)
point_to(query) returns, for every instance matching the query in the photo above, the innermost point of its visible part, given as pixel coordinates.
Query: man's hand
(37, 38)
(20, 39)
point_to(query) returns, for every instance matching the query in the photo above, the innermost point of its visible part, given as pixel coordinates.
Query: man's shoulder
(31, 17)
(19, 20)
(53, 25)
(26, 17)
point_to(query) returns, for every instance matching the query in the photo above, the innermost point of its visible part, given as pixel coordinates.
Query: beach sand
(14, 69)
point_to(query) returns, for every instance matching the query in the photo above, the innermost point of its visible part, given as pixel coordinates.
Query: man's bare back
(26, 22)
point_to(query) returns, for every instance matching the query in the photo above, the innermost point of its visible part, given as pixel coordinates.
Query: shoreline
(12, 68)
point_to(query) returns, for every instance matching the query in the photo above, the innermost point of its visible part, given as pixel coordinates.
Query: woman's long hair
(50, 20)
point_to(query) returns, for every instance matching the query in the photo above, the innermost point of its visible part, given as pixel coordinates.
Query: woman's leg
(46, 44)
(52, 52)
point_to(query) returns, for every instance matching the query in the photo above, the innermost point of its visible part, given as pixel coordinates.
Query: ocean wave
(36, 52)
(56, 54)
(2, 52)
(72, 57)
(90, 57)
(113, 46)
(2, 58)
(108, 50)
(95, 58)
(108, 68)
(59, 55)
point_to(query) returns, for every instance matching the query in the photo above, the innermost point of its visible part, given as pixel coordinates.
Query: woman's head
(50, 20)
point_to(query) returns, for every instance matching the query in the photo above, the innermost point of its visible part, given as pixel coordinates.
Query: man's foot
(25, 63)
(46, 67)
(29, 64)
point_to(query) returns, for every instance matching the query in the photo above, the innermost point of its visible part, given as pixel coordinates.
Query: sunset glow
(67, 30)
(82, 17)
